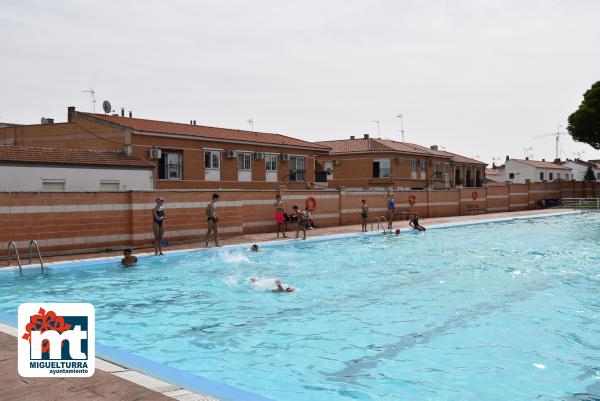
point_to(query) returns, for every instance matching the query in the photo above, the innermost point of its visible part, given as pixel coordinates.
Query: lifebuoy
(311, 204)
(474, 195)
(412, 199)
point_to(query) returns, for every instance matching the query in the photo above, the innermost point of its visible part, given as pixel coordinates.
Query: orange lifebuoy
(412, 199)
(311, 204)
(474, 195)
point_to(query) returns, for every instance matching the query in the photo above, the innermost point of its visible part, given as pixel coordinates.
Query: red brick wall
(77, 221)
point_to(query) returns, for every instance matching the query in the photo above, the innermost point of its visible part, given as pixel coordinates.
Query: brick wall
(78, 221)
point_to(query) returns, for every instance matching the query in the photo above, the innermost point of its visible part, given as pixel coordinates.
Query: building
(369, 163)
(495, 174)
(44, 169)
(522, 171)
(580, 167)
(185, 156)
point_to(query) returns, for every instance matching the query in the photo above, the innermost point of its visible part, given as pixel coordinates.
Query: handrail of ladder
(380, 223)
(12, 244)
(37, 248)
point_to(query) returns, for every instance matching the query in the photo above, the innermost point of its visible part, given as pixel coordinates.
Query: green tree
(584, 123)
(589, 174)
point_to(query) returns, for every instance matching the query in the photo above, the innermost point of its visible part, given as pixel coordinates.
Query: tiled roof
(388, 145)
(201, 131)
(492, 171)
(542, 164)
(18, 154)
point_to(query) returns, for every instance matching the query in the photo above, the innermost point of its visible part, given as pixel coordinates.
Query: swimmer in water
(128, 259)
(276, 285)
(414, 223)
(254, 248)
(397, 231)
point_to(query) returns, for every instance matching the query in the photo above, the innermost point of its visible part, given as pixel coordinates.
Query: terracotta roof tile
(356, 146)
(542, 164)
(69, 156)
(491, 171)
(201, 131)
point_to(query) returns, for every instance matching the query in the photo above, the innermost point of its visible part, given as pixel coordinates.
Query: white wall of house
(523, 172)
(34, 178)
(580, 169)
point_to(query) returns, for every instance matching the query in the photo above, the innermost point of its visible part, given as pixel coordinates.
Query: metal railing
(581, 203)
(382, 223)
(33, 243)
(37, 248)
(13, 245)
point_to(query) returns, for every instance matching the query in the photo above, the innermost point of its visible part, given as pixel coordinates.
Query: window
(438, 170)
(598, 176)
(511, 176)
(110, 185)
(381, 168)
(297, 168)
(244, 161)
(541, 176)
(52, 184)
(413, 166)
(271, 162)
(212, 159)
(170, 166)
(558, 175)
(550, 175)
(446, 168)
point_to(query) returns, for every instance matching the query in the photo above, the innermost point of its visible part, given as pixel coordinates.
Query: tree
(584, 123)
(589, 174)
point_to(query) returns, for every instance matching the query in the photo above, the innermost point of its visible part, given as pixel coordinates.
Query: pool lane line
(149, 371)
(271, 243)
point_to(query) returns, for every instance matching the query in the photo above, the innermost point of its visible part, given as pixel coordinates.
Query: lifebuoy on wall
(474, 195)
(412, 200)
(311, 203)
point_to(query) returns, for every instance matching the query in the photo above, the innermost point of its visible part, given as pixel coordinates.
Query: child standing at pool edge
(280, 216)
(364, 214)
(158, 227)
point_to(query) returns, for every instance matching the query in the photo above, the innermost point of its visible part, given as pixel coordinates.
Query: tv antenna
(556, 134)
(92, 93)
(378, 131)
(251, 124)
(527, 152)
(401, 126)
(577, 155)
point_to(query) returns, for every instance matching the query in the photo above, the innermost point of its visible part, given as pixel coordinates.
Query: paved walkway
(111, 382)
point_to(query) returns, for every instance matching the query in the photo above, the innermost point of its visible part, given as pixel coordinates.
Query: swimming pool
(496, 311)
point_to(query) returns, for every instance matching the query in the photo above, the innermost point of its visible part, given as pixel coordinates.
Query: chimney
(557, 161)
(366, 136)
(71, 113)
(191, 122)
(434, 147)
(130, 114)
(122, 112)
(50, 121)
(507, 158)
(543, 160)
(526, 157)
(493, 165)
(352, 137)
(194, 122)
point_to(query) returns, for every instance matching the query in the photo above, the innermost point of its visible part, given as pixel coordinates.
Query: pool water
(496, 311)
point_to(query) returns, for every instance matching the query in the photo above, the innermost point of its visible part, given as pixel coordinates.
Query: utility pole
(251, 124)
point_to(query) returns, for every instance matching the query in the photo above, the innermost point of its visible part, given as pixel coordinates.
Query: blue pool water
(497, 311)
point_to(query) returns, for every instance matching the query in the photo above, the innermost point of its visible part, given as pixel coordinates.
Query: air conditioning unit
(259, 155)
(337, 162)
(399, 160)
(285, 157)
(231, 154)
(155, 153)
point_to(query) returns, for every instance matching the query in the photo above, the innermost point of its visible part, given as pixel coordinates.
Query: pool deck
(112, 382)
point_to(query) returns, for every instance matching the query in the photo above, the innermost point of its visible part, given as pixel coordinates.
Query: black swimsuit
(159, 213)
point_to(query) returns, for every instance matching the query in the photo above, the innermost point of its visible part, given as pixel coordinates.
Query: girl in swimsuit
(158, 226)
(364, 214)
(212, 220)
(414, 223)
(280, 216)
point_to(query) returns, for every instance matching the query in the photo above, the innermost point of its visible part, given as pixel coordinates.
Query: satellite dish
(106, 106)
(44, 120)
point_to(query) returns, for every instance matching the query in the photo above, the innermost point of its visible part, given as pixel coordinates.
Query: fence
(85, 221)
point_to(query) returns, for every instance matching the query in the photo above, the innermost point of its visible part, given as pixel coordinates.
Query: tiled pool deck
(113, 382)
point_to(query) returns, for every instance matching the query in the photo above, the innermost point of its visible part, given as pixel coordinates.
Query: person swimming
(414, 223)
(270, 284)
(397, 231)
(128, 259)
(254, 248)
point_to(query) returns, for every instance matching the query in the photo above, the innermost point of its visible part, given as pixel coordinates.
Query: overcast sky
(478, 77)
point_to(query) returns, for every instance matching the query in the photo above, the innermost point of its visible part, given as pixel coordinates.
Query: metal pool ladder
(382, 223)
(13, 245)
